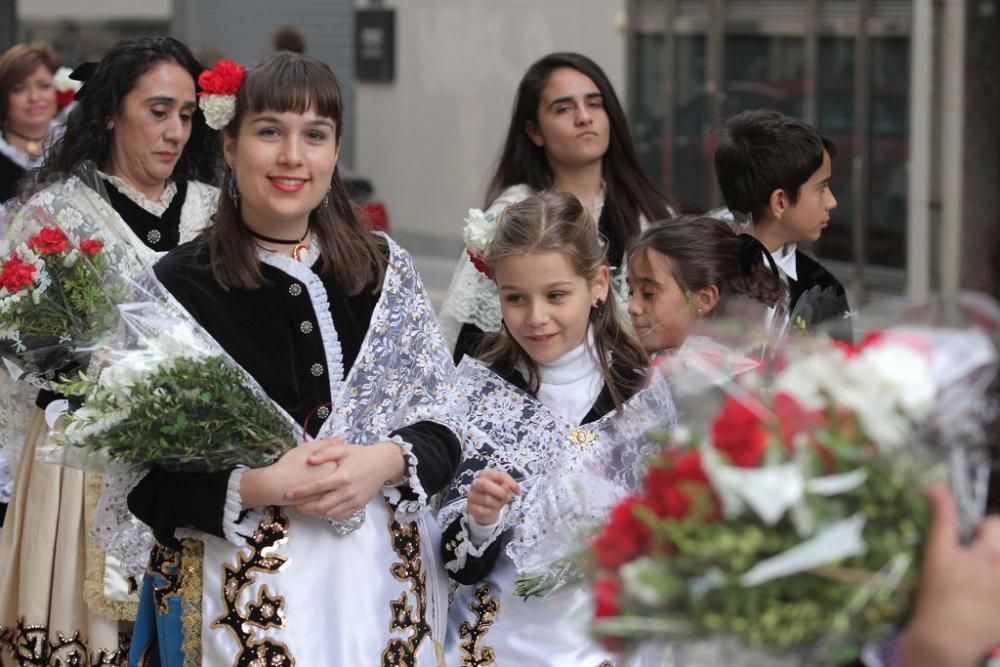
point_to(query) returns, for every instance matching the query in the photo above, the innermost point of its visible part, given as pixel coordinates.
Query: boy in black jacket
(777, 169)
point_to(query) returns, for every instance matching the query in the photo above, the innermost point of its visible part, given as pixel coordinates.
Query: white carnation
(479, 230)
(218, 109)
(62, 81)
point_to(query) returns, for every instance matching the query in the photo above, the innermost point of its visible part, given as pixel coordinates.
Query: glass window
(692, 128)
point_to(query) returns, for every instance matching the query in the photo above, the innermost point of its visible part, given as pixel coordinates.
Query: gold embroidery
(267, 611)
(581, 437)
(486, 608)
(406, 543)
(193, 559)
(93, 581)
(32, 645)
(164, 563)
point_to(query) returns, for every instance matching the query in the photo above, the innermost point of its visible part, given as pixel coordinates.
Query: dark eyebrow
(166, 99)
(569, 98)
(276, 120)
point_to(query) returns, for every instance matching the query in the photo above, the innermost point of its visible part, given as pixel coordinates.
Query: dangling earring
(326, 198)
(234, 193)
(596, 309)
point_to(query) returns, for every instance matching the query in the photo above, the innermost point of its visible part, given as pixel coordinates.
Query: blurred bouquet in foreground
(166, 394)
(788, 515)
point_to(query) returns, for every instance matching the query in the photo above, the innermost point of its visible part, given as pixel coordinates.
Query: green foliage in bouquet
(188, 414)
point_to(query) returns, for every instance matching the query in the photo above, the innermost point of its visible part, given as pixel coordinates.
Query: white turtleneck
(571, 384)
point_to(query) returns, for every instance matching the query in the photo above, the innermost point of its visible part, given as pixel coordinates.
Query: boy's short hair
(760, 151)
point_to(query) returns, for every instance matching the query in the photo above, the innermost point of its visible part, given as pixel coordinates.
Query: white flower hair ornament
(480, 228)
(217, 97)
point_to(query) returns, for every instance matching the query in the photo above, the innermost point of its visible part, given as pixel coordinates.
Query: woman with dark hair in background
(28, 110)
(568, 132)
(132, 164)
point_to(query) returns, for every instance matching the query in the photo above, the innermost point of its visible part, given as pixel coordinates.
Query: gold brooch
(581, 437)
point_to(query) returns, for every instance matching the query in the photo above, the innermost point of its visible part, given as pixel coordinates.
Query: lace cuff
(462, 547)
(233, 515)
(480, 534)
(406, 508)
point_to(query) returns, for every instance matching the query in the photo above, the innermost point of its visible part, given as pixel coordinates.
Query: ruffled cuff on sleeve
(464, 546)
(237, 522)
(407, 495)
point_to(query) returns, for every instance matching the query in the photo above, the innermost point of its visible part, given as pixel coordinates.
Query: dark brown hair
(558, 222)
(18, 63)
(629, 192)
(760, 151)
(353, 256)
(705, 252)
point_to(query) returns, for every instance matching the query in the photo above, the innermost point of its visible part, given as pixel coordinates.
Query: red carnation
(624, 537)
(479, 263)
(91, 247)
(64, 98)
(739, 434)
(49, 241)
(223, 79)
(606, 591)
(15, 274)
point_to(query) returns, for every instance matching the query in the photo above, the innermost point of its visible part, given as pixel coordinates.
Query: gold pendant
(33, 148)
(299, 251)
(581, 437)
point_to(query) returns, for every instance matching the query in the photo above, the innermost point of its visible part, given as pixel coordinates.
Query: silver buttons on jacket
(295, 289)
(323, 412)
(316, 369)
(153, 236)
(306, 327)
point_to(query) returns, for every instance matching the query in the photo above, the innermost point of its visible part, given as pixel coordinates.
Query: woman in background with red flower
(128, 176)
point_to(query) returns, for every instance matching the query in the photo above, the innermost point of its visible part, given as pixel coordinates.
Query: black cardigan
(265, 330)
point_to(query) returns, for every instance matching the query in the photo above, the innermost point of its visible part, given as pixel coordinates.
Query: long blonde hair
(558, 222)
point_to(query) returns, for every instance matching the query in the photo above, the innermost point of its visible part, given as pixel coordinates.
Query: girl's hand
(490, 491)
(265, 486)
(360, 472)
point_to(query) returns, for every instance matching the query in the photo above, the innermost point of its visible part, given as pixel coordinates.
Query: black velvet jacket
(10, 174)
(824, 299)
(273, 333)
(476, 569)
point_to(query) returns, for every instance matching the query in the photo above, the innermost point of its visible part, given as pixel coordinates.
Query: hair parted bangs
(286, 83)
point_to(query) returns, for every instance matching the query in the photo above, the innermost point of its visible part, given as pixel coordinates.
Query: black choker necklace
(33, 147)
(299, 249)
(270, 239)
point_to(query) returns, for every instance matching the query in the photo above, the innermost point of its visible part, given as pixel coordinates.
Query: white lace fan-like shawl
(570, 476)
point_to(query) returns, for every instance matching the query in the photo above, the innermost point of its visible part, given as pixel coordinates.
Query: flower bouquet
(54, 298)
(167, 395)
(787, 518)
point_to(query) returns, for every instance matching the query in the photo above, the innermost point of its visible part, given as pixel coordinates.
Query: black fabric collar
(159, 233)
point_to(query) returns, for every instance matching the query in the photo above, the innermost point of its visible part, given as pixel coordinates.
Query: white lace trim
(406, 510)
(302, 272)
(17, 405)
(464, 547)
(479, 533)
(472, 297)
(199, 205)
(233, 508)
(22, 159)
(157, 208)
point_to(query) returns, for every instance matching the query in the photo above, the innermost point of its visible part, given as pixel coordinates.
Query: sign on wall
(375, 45)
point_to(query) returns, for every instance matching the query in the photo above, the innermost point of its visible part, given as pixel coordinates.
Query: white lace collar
(157, 208)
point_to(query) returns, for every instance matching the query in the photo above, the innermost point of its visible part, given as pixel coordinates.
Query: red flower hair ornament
(217, 97)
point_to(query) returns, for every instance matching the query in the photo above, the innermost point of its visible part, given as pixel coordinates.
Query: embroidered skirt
(297, 593)
(43, 616)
